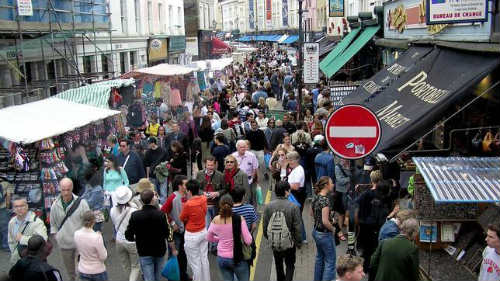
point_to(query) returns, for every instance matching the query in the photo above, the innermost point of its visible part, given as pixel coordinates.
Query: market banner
(385, 77)
(269, 14)
(251, 15)
(422, 92)
(284, 12)
(336, 8)
(157, 50)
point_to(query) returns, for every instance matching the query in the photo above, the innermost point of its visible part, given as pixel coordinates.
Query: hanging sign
(311, 63)
(24, 8)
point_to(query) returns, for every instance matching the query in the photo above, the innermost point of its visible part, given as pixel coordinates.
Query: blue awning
(291, 39)
(461, 179)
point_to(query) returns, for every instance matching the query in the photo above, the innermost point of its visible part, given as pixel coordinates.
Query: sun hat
(123, 194)
(144, 184)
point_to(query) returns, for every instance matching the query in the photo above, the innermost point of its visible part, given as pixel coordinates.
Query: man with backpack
(283, 229)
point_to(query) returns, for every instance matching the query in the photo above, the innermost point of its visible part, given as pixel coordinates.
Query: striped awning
(461, 179)
(94, 94)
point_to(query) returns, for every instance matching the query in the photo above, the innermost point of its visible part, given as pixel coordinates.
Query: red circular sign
(352, 131)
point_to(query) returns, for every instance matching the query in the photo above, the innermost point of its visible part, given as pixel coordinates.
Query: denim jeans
(151, 268)
(94, 277)
(229, 270)
(211, 213)
(4, 226)
(324, 268)
(161, 189)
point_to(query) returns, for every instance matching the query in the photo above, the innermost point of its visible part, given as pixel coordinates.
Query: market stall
(451, 195)
(38, 139)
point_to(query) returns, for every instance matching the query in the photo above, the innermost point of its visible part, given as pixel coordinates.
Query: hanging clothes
(201, 80)
(165, 90)
(147, 87)
(175, 98)
(157, 90)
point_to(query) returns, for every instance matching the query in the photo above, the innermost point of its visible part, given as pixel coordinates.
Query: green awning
(354, 48)
(94, 94)
(341, 46)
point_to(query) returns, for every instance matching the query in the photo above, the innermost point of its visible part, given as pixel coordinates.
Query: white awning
(163, 69)
(212, 65)
(47, 118)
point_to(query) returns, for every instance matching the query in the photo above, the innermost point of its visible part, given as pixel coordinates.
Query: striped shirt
(247, 211)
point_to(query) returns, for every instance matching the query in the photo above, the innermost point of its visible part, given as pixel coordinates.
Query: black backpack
(379, 210)
(135, 116)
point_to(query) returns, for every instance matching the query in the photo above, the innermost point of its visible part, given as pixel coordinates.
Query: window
(132, 60)
(138, 16)
(122, 62)
(87, 65)
(123, 15)
(150, 17)
(160, 18)
(170, 17)
(105, 65)
(179, 16)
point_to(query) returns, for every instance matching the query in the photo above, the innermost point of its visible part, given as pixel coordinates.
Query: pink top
(223, 234)
(90, 246)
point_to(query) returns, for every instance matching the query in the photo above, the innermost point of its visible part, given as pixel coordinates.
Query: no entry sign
(352, 131)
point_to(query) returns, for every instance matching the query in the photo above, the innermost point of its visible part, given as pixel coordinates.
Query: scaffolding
(53, 33)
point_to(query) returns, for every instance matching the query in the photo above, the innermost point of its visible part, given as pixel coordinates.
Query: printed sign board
(456, 11)
(311, 63)
(24, 7)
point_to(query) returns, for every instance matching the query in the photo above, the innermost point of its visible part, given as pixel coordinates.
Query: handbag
(487, 141)
(246, 250)
(171, 269)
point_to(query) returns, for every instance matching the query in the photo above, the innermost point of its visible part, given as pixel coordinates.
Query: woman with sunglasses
(233, 176)
(287, 143)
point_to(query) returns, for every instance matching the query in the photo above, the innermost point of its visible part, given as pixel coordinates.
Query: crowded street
(249, 140)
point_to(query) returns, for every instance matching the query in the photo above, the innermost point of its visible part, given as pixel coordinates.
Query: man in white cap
(120, 215)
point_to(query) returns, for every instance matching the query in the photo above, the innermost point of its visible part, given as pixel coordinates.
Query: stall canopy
(290, 39)
(461, 179)
(413, 92)
(32, 122)
(341, 46)
(95, 94)
(219, 46)
(163, 69)
(212, 65)
(336, 64)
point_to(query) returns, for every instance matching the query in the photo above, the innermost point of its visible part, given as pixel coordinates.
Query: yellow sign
(158, 50)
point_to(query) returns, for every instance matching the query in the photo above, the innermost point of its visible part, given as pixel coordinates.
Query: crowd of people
(190, 184)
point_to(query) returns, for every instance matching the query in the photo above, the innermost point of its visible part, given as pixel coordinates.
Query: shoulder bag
(70, 211)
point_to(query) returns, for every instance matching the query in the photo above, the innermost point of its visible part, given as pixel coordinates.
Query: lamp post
(300, 77)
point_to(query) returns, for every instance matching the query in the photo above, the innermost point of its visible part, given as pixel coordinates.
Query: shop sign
(406, 19)
(24, 7)
(336, 8)
(269, 14)
(176, 44)
(457, 11)
(192, 46)
(335, 27)
(157, 49)
(311, 63)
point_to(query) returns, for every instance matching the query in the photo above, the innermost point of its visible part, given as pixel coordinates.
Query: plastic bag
(267, 159)
(171, 269)
(260, 199)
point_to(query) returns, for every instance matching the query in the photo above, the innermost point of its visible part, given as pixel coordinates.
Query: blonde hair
(321, 183)
(376, 177)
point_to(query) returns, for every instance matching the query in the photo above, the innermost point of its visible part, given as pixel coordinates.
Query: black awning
(326, 45)
(422, 83)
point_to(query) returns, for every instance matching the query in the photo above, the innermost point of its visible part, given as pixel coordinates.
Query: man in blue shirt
(260, 93)
(324, 164)
(131, 162)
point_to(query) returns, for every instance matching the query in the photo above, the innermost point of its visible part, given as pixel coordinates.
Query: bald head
(66, 185)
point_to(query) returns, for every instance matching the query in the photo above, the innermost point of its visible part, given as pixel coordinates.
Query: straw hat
(144, 184)
(123, 194)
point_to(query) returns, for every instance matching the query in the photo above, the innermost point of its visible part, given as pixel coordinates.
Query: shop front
(157, 51)
(176, 49)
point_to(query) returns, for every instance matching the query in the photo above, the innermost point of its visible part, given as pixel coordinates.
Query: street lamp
(301, 55)
(214, 25)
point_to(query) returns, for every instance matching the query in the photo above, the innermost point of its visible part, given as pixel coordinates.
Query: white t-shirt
(297, 176)
(490, 267)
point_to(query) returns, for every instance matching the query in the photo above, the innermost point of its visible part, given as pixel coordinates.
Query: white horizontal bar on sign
(353, 132)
